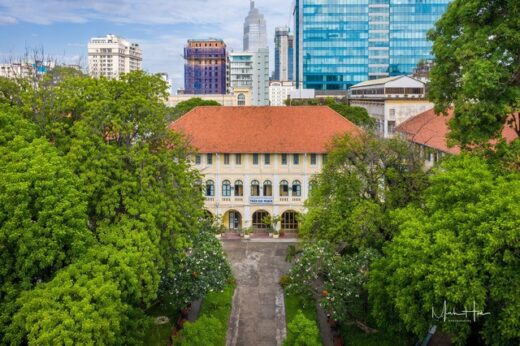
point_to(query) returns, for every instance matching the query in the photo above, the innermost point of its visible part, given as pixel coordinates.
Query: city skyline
(160, 27)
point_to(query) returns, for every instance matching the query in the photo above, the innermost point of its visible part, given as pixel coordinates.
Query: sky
(62, 28)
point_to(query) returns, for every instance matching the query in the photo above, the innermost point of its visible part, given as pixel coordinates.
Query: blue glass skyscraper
(339, 43)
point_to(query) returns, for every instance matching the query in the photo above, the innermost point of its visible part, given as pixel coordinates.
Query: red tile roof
(432, 130)
(303, 129)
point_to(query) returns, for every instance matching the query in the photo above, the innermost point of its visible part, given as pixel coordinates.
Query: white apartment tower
(250, 70)
(112, 56)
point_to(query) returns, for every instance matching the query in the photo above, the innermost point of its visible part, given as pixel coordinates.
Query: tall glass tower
(339, 43)
(255, 32)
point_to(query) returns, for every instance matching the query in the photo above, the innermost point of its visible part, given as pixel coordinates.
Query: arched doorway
(232, 220)
(258, 219)
(290, 220)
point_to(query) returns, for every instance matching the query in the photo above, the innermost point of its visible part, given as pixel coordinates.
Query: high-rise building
(343, 42)
(255, 32)
(111, 56)
(283, 54)
(205, 67)
(250, 70)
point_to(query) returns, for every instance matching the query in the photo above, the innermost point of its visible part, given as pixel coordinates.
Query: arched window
(255, 188)
(239, 188)
(289, 220)
(296, 188)
(284, 188)
(210, 188)
(241, 99)
(226, 188)
(268, 188)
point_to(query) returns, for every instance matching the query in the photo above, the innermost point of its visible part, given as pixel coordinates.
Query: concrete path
(258, 314)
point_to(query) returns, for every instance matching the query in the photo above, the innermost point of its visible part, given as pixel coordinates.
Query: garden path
(258, 314)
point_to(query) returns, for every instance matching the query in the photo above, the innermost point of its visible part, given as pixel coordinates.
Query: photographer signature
(454, 316)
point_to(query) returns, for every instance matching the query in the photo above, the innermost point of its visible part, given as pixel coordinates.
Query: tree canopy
(460, 246)
(477, 67)
(363, 179)
(358, 115)
(185, 106)
(98, 202)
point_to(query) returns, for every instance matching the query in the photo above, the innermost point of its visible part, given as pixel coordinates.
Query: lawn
(215, 304)
(294, 303)
(218, 305)
(157, 335)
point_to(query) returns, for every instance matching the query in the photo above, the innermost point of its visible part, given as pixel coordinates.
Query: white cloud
(138, 11)
(6, 20)
(205, 18)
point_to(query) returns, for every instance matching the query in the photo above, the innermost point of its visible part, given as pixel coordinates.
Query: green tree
(202, 269)
(358, 115)
(339, 280)
(363, 180)
(117, 166)
(43, 219)
(460, 246)
(185, 106)
(477, 68)
(304, 332)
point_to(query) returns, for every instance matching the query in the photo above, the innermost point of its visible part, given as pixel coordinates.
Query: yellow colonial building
(258, 161)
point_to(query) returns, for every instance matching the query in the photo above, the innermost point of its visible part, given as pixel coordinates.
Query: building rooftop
(431, 130)
(383, 81)
(304, 129)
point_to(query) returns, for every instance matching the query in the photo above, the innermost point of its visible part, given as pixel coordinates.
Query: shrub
(201, 333)
(303, 332)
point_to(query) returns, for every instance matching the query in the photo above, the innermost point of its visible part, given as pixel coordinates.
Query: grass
(215, 304)
(218, 305)
(293, 303)
(158, 335)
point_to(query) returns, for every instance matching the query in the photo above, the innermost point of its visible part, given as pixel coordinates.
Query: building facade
(255, 31)
(390, 101)
(283, 54)
(111, 56)
(279, 92)
(259, 161)
(26, 69)
(342, 42)
(250, 70)
(428, 132)
(205, 67)
(240, 97)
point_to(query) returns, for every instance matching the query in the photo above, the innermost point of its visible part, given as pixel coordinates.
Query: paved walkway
(258, 314)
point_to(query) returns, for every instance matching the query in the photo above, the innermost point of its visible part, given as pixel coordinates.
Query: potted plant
(271, 222)
(275, 234)
(247, 233)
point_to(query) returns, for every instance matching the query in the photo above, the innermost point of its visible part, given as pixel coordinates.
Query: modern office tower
(283, 54)
(255, 32)
(205, 67)
(343, 42)
(112, 56)
(250, 70)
